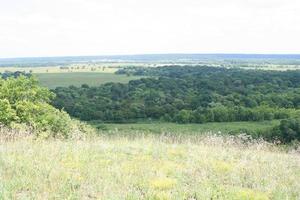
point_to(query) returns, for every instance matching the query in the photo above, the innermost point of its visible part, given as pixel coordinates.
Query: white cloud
(95, 27)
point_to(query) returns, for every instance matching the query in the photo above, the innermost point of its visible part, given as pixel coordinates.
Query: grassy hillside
(53, 80)
(147, 168)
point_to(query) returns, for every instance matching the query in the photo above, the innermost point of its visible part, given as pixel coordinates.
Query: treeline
(167, 70)
(187, 94)
(16, 74)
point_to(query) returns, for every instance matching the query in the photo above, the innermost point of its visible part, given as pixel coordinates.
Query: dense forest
(186, 94)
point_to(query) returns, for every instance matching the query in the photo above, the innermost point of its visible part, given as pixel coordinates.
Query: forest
(187, 95)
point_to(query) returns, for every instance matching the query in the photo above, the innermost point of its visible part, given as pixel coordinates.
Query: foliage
(8, 74)
(287, 131)
(7, 113)
(187, 95)
(23, 101)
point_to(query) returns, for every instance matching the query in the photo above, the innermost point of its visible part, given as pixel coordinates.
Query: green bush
(183, 117)
(23, 101)
(7, 113)
(287, 131)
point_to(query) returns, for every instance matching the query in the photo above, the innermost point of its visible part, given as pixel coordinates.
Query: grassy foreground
(149, 167)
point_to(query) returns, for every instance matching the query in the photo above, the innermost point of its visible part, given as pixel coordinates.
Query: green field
(152, 168)
(173, 128)
(53, 80)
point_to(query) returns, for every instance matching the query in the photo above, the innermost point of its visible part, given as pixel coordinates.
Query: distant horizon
(148, 58)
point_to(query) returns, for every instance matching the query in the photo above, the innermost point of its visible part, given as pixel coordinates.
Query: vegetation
(14, 74)
(53, 80)
(188, 95)
(70, 68)
(163, 128)
(148, 168)
(284, 131)
(24, 103)
(154, 158)
(287, 131)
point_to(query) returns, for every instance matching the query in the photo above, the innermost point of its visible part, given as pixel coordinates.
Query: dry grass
(148, 167)
(14, 134)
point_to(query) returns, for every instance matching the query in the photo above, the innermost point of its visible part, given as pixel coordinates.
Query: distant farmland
(53, 80)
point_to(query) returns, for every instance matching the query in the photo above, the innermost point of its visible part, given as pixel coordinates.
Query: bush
(287, 132)
(23, 101)
(183, 117)
(7, 113)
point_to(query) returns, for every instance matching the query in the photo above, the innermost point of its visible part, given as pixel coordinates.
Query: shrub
(184, 116)
(287, 131)
(7, 114)
(23, 101)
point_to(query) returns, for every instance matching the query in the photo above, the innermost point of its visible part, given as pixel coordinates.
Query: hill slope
(147, 168)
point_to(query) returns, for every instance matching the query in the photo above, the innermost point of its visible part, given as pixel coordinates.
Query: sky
(33, 28)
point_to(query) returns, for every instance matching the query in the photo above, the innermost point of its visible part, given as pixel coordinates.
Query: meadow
(222, 128)
(147, 167)
(75, 74)
(53, 80)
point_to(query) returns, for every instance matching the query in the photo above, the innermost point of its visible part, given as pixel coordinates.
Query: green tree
(183, 116)
(7, 114)
(23, 101)
(287, 131)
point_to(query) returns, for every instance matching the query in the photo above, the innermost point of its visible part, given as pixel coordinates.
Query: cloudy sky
(101, 27)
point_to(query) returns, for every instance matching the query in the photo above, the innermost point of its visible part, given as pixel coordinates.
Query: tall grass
(14, 134)
(148, 167)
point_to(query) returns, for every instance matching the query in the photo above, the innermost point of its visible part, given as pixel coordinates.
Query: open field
(113, 67)
(76, 67)
(147, 168)
(165, 128)
(53, 80)
(64, 69)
